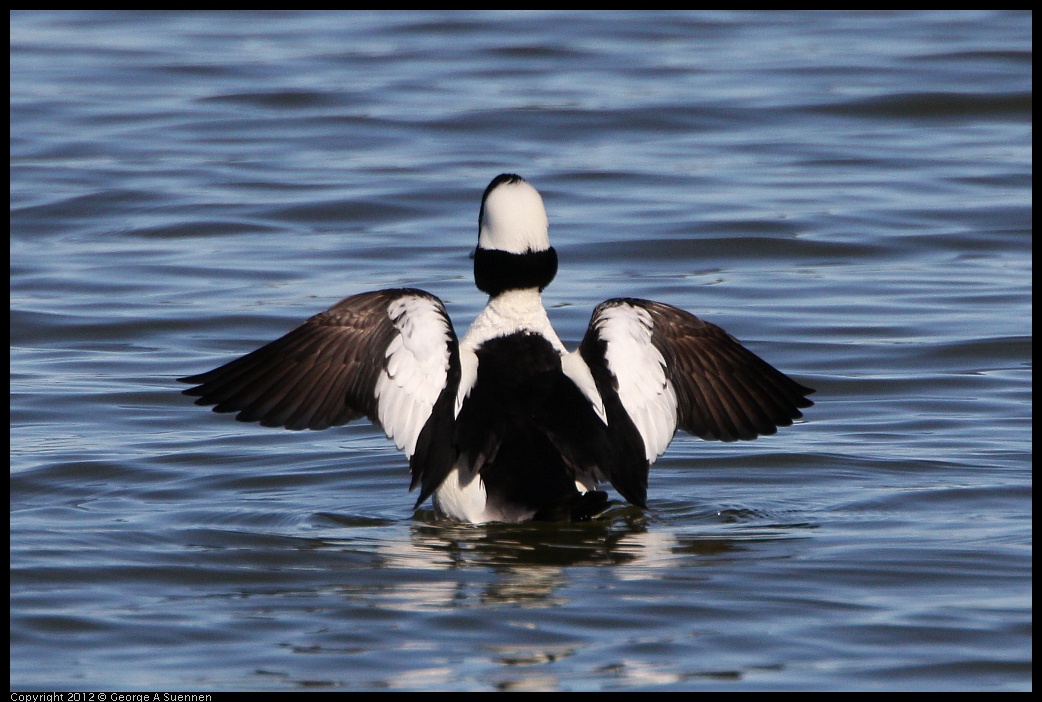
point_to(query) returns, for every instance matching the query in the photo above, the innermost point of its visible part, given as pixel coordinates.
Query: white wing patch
(468, 361)
(575, 368)
(416, 370)
(646, 393)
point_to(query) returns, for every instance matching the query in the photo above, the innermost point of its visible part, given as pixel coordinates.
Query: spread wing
(390, 355)
(664, 368)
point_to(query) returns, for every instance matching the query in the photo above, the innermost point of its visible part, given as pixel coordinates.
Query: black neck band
(496, 271)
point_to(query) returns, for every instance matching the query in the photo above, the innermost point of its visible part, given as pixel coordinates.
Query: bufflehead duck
(507, 424)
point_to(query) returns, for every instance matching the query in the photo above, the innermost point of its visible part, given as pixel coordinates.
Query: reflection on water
(460, 574)
(531, 561)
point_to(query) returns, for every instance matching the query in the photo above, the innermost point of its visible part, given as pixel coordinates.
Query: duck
(506, 424)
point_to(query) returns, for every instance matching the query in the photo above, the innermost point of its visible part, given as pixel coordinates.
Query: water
(848, 193)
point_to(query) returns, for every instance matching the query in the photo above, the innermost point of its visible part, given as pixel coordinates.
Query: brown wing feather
(321, 374)
(724, 391)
